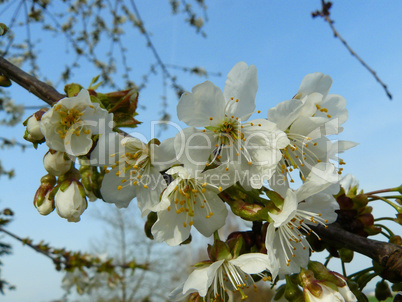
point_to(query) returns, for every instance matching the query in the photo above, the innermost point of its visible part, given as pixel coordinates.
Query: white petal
(77, 144)
(207, 226)
(82, 99)
(148, 198)
(348, 182)
(321, 203)
(177, 294)
(321, 177)
(197, 108)
(336, 106)
(288, 211)
(313, 127)
(252, 263)
(169, 228)
(164, 155)
(110, 192)
(193, 147)
(315, 82)
(53, 139)
(242, 84)
(310, 104)
(107, 150)
(285, 113)
(278, 184)
(218, 177)
(197, 282)
(342, 146)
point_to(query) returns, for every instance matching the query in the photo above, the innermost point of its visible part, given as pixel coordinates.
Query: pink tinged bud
(71, 202)
(321, 292)
(219, 251)
(47, 206)
(44, 199)
(56, 163)
(33, 128)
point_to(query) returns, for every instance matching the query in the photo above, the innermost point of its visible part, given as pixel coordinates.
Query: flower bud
(329, 279)
(44, 199)
(292, 291)
(219, 251)
(4, 81)
(382, 291)
(70, 200)
(33, 133)
(323, 274)
(321, 292)
(91, 180)
(236, 245)
(151, 219)
(57, 163)
(3, 29)
(199, 22)
(346, 255)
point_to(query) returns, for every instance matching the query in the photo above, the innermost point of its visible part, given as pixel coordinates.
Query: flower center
(136, 163)
(68, 118)
(188, 195)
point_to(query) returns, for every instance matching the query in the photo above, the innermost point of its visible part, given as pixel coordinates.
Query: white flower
(33, 129)
(251, 146)
(135, 170)
(71, 202)
(223, 275)
(307, 119)
(57, 163)
(69, 125)
(78, 278)
(313, 203)
(191, 199)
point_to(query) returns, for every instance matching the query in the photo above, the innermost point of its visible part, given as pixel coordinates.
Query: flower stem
(385, 228)
(395, 206)
(382, 191)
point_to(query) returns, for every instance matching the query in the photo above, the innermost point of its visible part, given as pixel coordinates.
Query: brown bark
(42, 90)
(388, 255)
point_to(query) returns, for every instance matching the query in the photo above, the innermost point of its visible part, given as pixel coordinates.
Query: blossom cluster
(183, 179)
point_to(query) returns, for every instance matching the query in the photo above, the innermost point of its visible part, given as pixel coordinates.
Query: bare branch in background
(64, 259)
(324, 13)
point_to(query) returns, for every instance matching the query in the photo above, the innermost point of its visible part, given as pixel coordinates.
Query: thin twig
(325, 14)
(13, 19)
(7, 141)
(154, 51)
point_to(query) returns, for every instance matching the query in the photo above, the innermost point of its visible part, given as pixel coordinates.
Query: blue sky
(284, 43)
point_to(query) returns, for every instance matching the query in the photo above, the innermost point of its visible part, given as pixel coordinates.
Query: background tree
(123, 240)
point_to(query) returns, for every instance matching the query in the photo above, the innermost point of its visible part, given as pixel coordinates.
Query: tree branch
(42, 90)
(386, 254)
